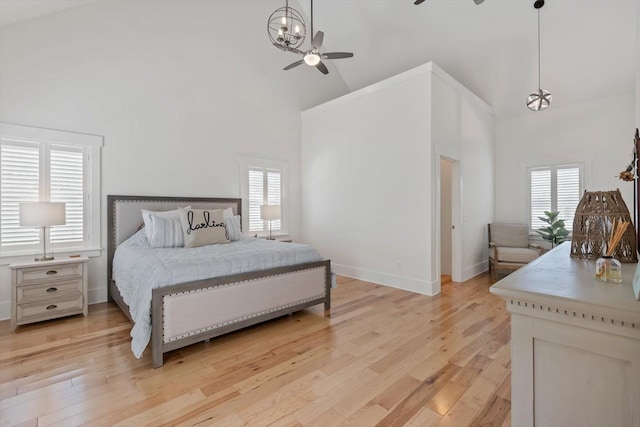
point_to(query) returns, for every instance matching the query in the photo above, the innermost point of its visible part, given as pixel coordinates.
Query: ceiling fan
(313, 57)
(422, 1)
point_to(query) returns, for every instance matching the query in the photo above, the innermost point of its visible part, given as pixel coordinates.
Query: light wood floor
(385, 357)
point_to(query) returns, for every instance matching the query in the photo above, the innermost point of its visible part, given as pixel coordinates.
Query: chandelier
(540, 99)
(286, 28)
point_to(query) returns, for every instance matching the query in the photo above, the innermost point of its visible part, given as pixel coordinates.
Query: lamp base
(44, 258)
(271, 238)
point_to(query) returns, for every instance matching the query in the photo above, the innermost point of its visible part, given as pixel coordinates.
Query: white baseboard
(400, 282)
(475, 270)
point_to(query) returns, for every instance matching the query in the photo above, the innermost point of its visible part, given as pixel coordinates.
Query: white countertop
(556, 278)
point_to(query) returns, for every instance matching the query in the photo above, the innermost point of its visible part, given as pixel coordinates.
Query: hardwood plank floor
(384, 357)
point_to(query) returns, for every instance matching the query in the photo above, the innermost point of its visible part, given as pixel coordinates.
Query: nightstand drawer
(45, 310)
(49, 273)
(48, 291)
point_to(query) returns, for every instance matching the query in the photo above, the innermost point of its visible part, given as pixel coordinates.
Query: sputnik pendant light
(540, 99)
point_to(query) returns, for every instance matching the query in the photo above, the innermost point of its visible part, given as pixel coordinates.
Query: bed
(198, 310)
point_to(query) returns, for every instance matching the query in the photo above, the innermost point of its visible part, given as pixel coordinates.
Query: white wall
(463, 131)
(370, 177)
(175, 89)
(599, 133)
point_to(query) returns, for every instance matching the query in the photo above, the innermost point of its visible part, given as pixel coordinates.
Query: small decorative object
(608, 269)
(555, 233)
(596, 215)
(270, 213)
(42, 215)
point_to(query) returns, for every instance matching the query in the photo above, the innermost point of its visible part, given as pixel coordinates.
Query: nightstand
(44, 290)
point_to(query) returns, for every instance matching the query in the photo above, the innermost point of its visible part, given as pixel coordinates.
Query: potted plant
(555, 233)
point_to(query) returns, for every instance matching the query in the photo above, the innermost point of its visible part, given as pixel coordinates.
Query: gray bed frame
(125, 218)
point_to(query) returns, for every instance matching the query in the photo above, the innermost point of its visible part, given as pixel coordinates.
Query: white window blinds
(40, 165)
(19, 182)
(67, 185)
(263, 182)
(555, 188)
(265, 187)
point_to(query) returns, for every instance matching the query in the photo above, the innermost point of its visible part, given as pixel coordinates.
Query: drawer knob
(52, 289)
(50, 272)
(51, 307)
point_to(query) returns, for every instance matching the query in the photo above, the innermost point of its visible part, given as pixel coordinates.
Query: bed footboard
(188, 313)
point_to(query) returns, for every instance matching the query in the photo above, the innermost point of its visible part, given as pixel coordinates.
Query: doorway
(450, 208)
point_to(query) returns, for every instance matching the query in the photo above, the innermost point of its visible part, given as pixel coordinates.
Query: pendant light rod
(539, 84)
(312, 35)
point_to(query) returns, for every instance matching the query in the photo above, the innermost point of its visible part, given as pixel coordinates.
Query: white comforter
(138, 268)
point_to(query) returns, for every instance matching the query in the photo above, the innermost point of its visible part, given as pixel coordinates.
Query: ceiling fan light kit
(541, 99)
(286, 28)
(313, 57)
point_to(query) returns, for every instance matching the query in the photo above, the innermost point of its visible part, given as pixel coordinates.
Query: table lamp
(43, 214)
(270, 212)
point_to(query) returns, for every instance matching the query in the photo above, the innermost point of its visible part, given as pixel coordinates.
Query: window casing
(263, 182)
(39, 165)
(555, 188)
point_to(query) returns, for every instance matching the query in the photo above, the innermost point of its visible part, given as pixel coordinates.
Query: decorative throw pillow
(166, 232)
(146, 218)
(203, 227)
(232, 223)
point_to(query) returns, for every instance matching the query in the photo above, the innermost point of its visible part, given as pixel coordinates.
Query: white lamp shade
(42, 214)
(270, 212)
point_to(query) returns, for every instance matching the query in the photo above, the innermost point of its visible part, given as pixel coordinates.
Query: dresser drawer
(45, 310)
(48, 291)
(48, 273)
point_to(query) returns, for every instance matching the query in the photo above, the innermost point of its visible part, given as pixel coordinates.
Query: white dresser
(575, 344)
(43, 290)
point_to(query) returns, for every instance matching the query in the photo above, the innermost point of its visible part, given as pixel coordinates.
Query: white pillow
(233, 227)
(232, 224)
(203, 227)
(166, 232)
(146, 218)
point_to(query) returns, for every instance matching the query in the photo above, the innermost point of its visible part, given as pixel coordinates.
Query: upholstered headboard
(124, 215)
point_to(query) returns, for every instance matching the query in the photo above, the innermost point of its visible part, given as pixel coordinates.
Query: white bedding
(138, 268)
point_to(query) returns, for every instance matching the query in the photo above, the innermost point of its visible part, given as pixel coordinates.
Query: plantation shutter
(67, 185)
(265, 187)
(19, 182)
(256, 199)
(568, 193)
(273, 194)
(555, 188)
(540, 195)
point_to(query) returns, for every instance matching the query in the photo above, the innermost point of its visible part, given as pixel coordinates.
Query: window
(39, 165)
(263, 182)
(555, 188)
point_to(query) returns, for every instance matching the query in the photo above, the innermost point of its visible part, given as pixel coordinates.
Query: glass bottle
(608, 269)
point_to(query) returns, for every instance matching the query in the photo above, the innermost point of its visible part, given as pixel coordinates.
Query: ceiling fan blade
(337, 55)
(294, 64)
(323, 68)
(317, 40)
(418, 2)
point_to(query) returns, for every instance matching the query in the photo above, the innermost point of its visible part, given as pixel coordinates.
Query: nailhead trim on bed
(240, 318)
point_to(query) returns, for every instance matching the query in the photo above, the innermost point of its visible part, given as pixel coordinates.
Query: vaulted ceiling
(589, 47)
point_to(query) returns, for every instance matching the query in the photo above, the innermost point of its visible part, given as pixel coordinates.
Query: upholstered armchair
(509, 247)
